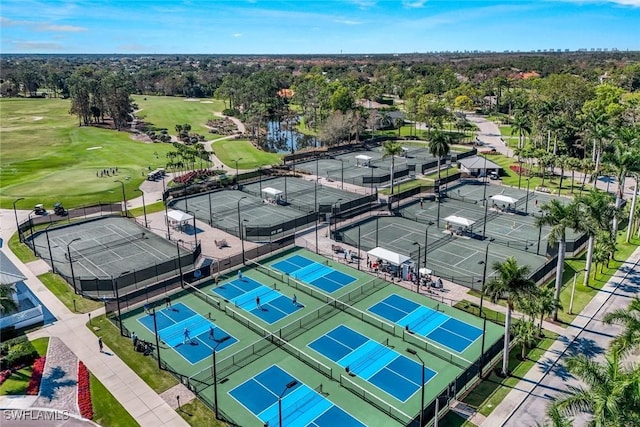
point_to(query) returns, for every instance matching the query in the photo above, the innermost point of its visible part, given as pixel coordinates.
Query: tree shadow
(557, 369)
(53, 382)
(585, 346)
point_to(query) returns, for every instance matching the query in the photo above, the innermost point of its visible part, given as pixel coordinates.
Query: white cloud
(348, 22)
(414, 4)
(26, 46)
(61, 28)
(236, 35)
(364, 4)
(41, 26)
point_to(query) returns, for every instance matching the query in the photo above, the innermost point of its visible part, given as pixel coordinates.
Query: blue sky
(308, 26)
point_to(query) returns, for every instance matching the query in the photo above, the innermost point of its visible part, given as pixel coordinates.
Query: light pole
(426, 242)
(415, 353)
(15, 213)
(236, 161)
(418, 283)
(124, 197)
(211, 210)
(341, 174)
(316, 207)
(114, 284)
(144, 208)
(179, 262)
(526, 199)
(240, 229)
(195, 230)
(484, 332)
(166, 220)
(155, 330)
(215, 376)
(484, 272)
(286, 388)
(73, 277)
(335, 222)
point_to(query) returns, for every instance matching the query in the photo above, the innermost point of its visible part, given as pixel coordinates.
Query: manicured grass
(454, 420)
(469, 307)
(152, 208)
(18, 382)
(168, 111)
(229, 150)
(22, 251)
(551, 183)
(48, 158)
(443, 173)
(584, 294)
(64, 292)
(197, 414)
(107, 411)
(41, 345)
(146, 367)
(493, 389)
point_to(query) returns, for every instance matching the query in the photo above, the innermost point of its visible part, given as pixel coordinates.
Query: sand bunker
(206, 102)
(36, 118)
(191, 99)
(93, 148)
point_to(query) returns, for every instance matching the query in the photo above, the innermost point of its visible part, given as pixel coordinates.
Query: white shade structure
(363, 160)
(458, 220)
(271, 194)
(391, 257)
(177, 219)
(503, 199)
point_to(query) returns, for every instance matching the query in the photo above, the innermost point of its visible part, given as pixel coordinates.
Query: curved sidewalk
(145, 405)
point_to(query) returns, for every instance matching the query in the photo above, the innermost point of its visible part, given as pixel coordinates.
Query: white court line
(146, 248)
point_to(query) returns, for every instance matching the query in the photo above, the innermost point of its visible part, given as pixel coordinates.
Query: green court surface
(453, 258)
(372, 399)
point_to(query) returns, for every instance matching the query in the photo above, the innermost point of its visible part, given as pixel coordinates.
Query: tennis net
(252, 296)
(423, 320)
(295, 407)
(368, 358)
(302, 356)
(101, 246)
(267, 270)
(308, 271)
(374, 400)
(437, 351)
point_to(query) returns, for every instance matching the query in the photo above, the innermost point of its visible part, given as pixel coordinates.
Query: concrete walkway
(145, 405)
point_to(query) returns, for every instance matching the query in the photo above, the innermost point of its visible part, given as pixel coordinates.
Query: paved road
(527, 402)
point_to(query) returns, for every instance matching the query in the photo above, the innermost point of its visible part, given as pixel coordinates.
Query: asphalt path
(592, 339)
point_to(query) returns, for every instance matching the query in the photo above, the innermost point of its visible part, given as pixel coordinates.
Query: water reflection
(284, 138)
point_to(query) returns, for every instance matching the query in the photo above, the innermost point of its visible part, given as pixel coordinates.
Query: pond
(282, 139)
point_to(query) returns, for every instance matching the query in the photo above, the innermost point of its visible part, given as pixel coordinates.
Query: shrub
(84, 392)
(36, 376)
(16, 352)
(4, 375)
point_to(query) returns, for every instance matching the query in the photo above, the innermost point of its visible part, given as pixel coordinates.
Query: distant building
(478, 166)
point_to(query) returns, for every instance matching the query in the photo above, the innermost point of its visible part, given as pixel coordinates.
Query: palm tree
(624, 159)
(439, 146)
(559, 217)
(7, 303)
(556, 419)
(512, 283)
(610, 394)
(521, 126)
(392, 148)
(630, 318)
(597, 214)
(632, 210)
(524, 334)
(545, 303)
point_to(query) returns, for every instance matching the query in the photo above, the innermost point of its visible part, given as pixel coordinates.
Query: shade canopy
(180, 217)
(458, 220)
(425, 271)
(363, 157)
(269, 191)
(389, 256)
(503, 199)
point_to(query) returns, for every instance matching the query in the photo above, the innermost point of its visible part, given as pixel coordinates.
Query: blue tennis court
(383, 367)
(301, 405)
(439, 327)
(203, 335)
(314, 273)
(245, 293)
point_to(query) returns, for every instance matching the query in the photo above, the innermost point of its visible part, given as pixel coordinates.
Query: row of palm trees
(610, 390)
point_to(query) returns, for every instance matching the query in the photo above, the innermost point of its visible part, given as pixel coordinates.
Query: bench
(337, 249)
(221, 243)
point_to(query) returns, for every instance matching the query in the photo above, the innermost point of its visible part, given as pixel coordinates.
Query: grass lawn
(47, 157)
(145, 367)
(152, 208)
(229, 150)
(198, 414)
(65, 294)
(168, 111)
(495, 316)
(17, 383)
(107, 411)
(493, 389)
(584, 294)
(22, 251)
(552, 183)
(406, 185)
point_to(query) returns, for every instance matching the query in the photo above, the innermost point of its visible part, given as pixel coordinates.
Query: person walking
(212, 335)
(295, 300)
(134, 339)
(167, 302)
(187, 336)
(100, 344)
(258, 306)
(239, 274)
